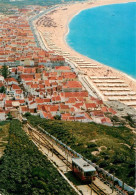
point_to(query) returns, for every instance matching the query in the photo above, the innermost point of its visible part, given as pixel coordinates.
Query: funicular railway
(45, 141)
(42, 141)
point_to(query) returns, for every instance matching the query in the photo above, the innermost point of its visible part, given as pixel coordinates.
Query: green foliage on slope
(23, 3)
(112, 148)
(24, 170)
(4, 71)
(4, 133)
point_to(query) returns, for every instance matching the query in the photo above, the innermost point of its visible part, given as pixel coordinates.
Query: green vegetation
(4, 71)
(130, 121)
(2, 89)
(9, 116)
(27, 114)
(57, 117)
(109, 147)
(23, 3)
(5, 8)
(25, 170)
(4, 134)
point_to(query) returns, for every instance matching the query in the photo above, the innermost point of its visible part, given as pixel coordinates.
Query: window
(88, 173)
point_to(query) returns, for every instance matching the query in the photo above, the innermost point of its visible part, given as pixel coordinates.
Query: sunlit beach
(98, 76)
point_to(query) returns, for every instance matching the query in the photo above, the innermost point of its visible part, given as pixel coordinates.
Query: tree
(9, 116)
(2, 89)
(4, 71)
(57, 117)
(27, 114)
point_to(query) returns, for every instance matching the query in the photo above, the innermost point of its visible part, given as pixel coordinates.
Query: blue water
(107, 34)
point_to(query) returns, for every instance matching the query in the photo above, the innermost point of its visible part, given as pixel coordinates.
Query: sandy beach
(53, 28)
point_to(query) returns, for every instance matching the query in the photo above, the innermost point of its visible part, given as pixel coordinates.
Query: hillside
(25, 170)
(22, 3)
(4, 135)
(112, 148)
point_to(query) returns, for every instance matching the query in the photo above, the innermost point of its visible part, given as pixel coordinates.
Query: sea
(106, 34)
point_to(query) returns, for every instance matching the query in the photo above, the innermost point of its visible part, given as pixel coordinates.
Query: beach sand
(55, 30)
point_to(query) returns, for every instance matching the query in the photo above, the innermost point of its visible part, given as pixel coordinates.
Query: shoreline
(67, 31)
(54, 36)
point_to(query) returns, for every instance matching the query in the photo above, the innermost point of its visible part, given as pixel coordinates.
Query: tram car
(83, 170)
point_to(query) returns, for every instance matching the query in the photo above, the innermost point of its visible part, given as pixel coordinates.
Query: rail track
(40, 140)
(96, 189)
(45, 143)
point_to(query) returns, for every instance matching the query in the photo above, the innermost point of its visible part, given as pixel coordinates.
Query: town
(40, 82)
(67, 122)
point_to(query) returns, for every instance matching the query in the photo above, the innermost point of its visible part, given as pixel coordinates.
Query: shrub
(57, 117)
(90, 145)
(103, 164)
(27, 114)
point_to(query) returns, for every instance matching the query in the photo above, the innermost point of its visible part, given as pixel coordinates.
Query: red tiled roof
(104, 109)
(51, 108)
(29, 70)
(16, 87)
(2, 96)
(27, 77)
(99, 101)
(47, 115)
(63, 106)
(11, 80)
(74, 94)
(57, 98)
(71, 100)
(21, 101)
(19, 91)
(47, 100)
(68, 75)
(40, 107)
(90, 105)
(62, 68)
(8, 103)
(2, 111)
(34, 86)
(24, 108)
(73, 84)
(47, 83)
(78, 105)
(98, 113)
(65, 116)
(105, 120)
(112, 111)
(39, 101)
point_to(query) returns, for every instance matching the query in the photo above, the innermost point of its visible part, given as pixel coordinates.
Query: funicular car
(85, 171)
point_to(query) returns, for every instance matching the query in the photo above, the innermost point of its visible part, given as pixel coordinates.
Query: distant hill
(21, 3)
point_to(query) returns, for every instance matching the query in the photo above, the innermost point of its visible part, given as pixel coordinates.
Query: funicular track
(40, 140)
(96, 189)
